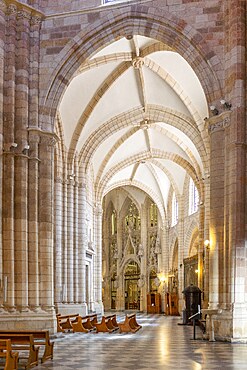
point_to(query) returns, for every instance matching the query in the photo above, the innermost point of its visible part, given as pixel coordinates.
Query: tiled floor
(160, 344)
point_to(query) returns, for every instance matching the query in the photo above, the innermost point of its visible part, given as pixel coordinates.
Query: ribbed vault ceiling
(135, 113)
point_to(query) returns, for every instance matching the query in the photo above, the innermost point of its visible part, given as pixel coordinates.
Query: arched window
(174, 210)
(193, 198)
(113, 222)
(153, 215)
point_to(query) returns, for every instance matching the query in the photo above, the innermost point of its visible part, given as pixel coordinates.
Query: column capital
(15, 6)
(98, 209)
(43, 137)
(220, 122)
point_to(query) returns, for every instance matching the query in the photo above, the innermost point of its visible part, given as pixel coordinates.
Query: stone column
(235, 87)
(144, 278)
(8, 159)
(33, 220)
(82, 236)
(46, 219)
(64, 245)
(164, 262)
(217, 126)
(76, 246)
(3, 9)
(33, 168)
(206, 206)
(58, 239)
(21, 159)
(120, 299)
(201, 247)
(98, 258)
(70, 240)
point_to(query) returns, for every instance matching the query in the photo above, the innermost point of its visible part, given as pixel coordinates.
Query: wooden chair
(89, 321)
(129, 325)
(11, 358)
(41, 338)
(64, 322)
(105, 326)
(23, 342)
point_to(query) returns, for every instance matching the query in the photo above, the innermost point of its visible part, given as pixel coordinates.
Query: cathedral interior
(123, 160)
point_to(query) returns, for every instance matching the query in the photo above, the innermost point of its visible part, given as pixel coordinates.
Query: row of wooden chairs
(76, 323)
(16, 343)
(85, 324)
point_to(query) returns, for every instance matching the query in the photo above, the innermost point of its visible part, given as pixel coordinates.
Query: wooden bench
(64, 322)
(106, 325)
(85, 324)
(129, 325)
(11, 358)
(24, 342)
(41, 338)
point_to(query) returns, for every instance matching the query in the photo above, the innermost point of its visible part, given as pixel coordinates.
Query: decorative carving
(11, 9)
(220, 125)
(48, 140)
(22, 14)
(3, 7)
(36, 20)
(141, 281)
(137, 62)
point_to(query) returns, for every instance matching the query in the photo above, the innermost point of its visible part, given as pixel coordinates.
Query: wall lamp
(225, 104)
(25, 149)
(214, 110)
(207, 243)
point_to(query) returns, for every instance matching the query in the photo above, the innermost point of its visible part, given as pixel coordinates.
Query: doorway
(132, 290)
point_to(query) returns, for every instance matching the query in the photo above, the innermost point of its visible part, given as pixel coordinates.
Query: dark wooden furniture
(153, 303)
(6, 352)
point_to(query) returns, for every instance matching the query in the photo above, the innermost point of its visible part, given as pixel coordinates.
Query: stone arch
(141, 156)
(126, 204)
(147, 190)
(158, 24)
(128, 259)
(191, 233)
(194, 240)
(173, 245)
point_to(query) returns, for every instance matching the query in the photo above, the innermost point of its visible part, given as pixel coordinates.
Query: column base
(72, 308)
(99, 308)
(239, 324)
(231, 324)
(28, 321)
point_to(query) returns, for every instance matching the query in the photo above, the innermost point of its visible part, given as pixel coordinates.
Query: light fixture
(207, 243)
(214, 110)
(25, 149)
(225, 104)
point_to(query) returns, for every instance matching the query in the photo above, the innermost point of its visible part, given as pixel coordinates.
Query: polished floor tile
(160, 344)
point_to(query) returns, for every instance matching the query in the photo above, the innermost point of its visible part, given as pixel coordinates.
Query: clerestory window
(193, 198)
(174, 210)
